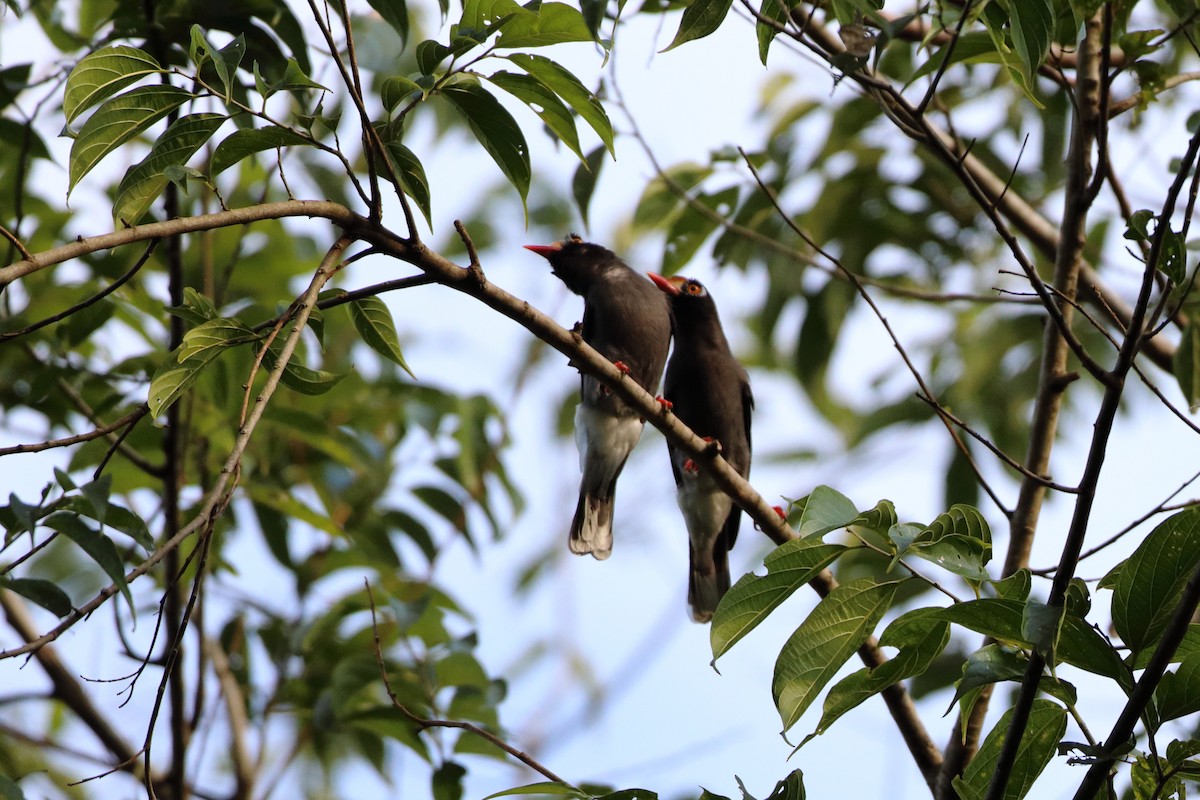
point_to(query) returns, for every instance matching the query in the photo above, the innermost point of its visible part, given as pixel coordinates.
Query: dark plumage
(710, 393)
(629, 322)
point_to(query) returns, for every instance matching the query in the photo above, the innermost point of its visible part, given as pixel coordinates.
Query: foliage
(214, 387)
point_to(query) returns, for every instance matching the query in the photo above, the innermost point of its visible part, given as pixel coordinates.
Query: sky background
(667, 721)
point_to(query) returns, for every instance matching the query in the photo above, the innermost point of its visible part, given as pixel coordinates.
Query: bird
(709, 391)
(629, 322)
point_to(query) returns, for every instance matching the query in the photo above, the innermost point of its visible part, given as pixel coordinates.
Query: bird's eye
(695, 289)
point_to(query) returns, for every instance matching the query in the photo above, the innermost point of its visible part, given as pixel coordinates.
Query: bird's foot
(779, 510)
(664, 403)
(621, 367)
(713, 447)
(691, 467)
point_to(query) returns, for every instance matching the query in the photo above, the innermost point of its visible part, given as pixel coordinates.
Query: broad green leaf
(554, 23)
(583, 183)
(1152, 579)
(542, 788)
(1047, 723)
(749, 601)
(920, 646)
(1015, 586)
(395, 88)
(825, 640)
(412, 177)
(216, 334)
(309, 381)
(243, 143)
(972, 47)
(663, 195)
(825, 510)
(394, 13)
(1187, 364)
(573, 93)
(196, 307)
(990, 664)
(293, 507)
(693, 226)
(773, 13)
(42, 592)
(496, 130)
(117, 121)
(145, 181)
(374, 324)
(1178, 695)
(701, 18)
(1032, 26)
(545, 104)
(98, 546)
(446, 781)
(174, 377)
(102, 74)
(295, 79)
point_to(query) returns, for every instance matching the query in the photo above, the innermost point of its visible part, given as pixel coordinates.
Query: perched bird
(629, 322)
(710, 393)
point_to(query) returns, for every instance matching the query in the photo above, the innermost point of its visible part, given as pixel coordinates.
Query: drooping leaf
(412, 177)
(825, 509)
(749, 601)
(571, 90)
(394, 13)
(545, 104)
(1047, 723)
(824, 641)
(496, 130)
(1151, 580)
(247, 142)
(554, 23)
(102, 74)
(583, 183)
(98, 546)
(145, 181)
(373, 321)
(1032, 25)
(771, 17)
(701, 18)
(42, 592)
(1187, 364)
(117, 121)
(1178, 694)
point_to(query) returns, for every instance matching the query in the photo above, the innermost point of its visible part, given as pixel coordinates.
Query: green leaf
(447, 781)
(41, 592)
(1032, 26)
(554, 23)
(1047, 723)
(294, 78)
(496, 130)
(919, 646)
(412, 177)
(693, 226)
(95, 544)
(374, 324)
(583, 183)
(825, 510)
(1187, 364)
(749, 601)
(1178, 694)
(395, 89)
(145, 181)
(700, 19)
(772, 11)
(240, 144)
(309, 381)
(574, 94)
(201, 345)
(543, 788)
(825, 640)
(545, 104)
(394, 13)
(102, 74)
(117, 121)
(1152, 579)
(990, 664)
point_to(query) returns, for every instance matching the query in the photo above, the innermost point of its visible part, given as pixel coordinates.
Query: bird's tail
(591, 530)
(708, 580)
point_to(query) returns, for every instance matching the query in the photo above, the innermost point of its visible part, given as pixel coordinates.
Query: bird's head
(679, 286)
(576, 262)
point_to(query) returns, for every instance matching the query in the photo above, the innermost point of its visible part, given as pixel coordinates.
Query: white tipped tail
(605, 441)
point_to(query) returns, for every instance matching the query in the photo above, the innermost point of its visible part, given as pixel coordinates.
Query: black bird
(629, 322)
(710, 393)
